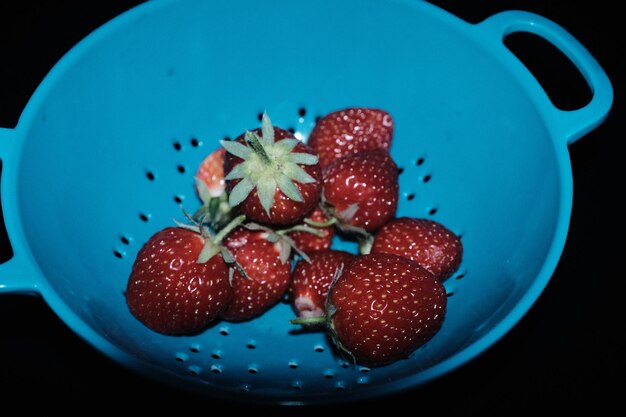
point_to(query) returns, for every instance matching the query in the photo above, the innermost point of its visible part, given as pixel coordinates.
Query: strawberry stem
(229, 228)
(327, 223)
(253, 139)
(301, 228)
(365, 244)
(308, 321)
(208, 251)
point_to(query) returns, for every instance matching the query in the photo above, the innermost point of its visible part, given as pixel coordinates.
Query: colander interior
(119, 127)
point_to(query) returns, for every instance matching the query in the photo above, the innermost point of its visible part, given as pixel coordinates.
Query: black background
(565, 354)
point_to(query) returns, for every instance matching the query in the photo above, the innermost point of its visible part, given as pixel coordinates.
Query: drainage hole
(195, 142)
(301, 112)
(363, 380)
(181, 169)
(150, 176)
(178, 146)
(427, 178)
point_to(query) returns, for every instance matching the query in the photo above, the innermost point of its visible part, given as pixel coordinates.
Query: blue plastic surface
(479, 141)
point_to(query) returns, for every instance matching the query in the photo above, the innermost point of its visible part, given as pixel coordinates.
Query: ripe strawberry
(349, 131)
(268, 275)
(211, 173)
(311, 280)
(309, 242)
(362, 189)
(383, 307)
(424, 241)
(173, 288)
(272, 177)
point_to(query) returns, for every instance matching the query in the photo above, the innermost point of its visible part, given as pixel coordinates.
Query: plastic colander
(107, 147)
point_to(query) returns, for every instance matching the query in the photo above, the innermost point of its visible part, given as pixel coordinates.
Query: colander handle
(567, 124)
(17, 274)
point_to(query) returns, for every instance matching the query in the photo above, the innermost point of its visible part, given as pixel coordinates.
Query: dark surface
(565, 354)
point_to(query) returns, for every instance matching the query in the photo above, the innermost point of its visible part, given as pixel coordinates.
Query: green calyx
(267, 165)
(213, 243)
(342, 219)
(215, 211)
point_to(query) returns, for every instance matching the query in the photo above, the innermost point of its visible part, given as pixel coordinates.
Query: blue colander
(106, 149)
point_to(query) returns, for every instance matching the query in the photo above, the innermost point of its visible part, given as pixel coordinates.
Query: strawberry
(361, 190)
(211, 173)
(382, 308)
(179, 281)
(269, 275)
(351, 130)
(424, 241)
(311, 280)
(210, 186)
(272, 177)
(310, 242)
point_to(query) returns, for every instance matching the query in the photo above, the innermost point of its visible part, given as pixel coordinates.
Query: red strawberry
(349, 131)
(383, 307)
(311, 280)
(211, 173)
(269, 277)
(362, 189)
(424, 241)
(309, 242)
(272, 177)
(170, 289)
